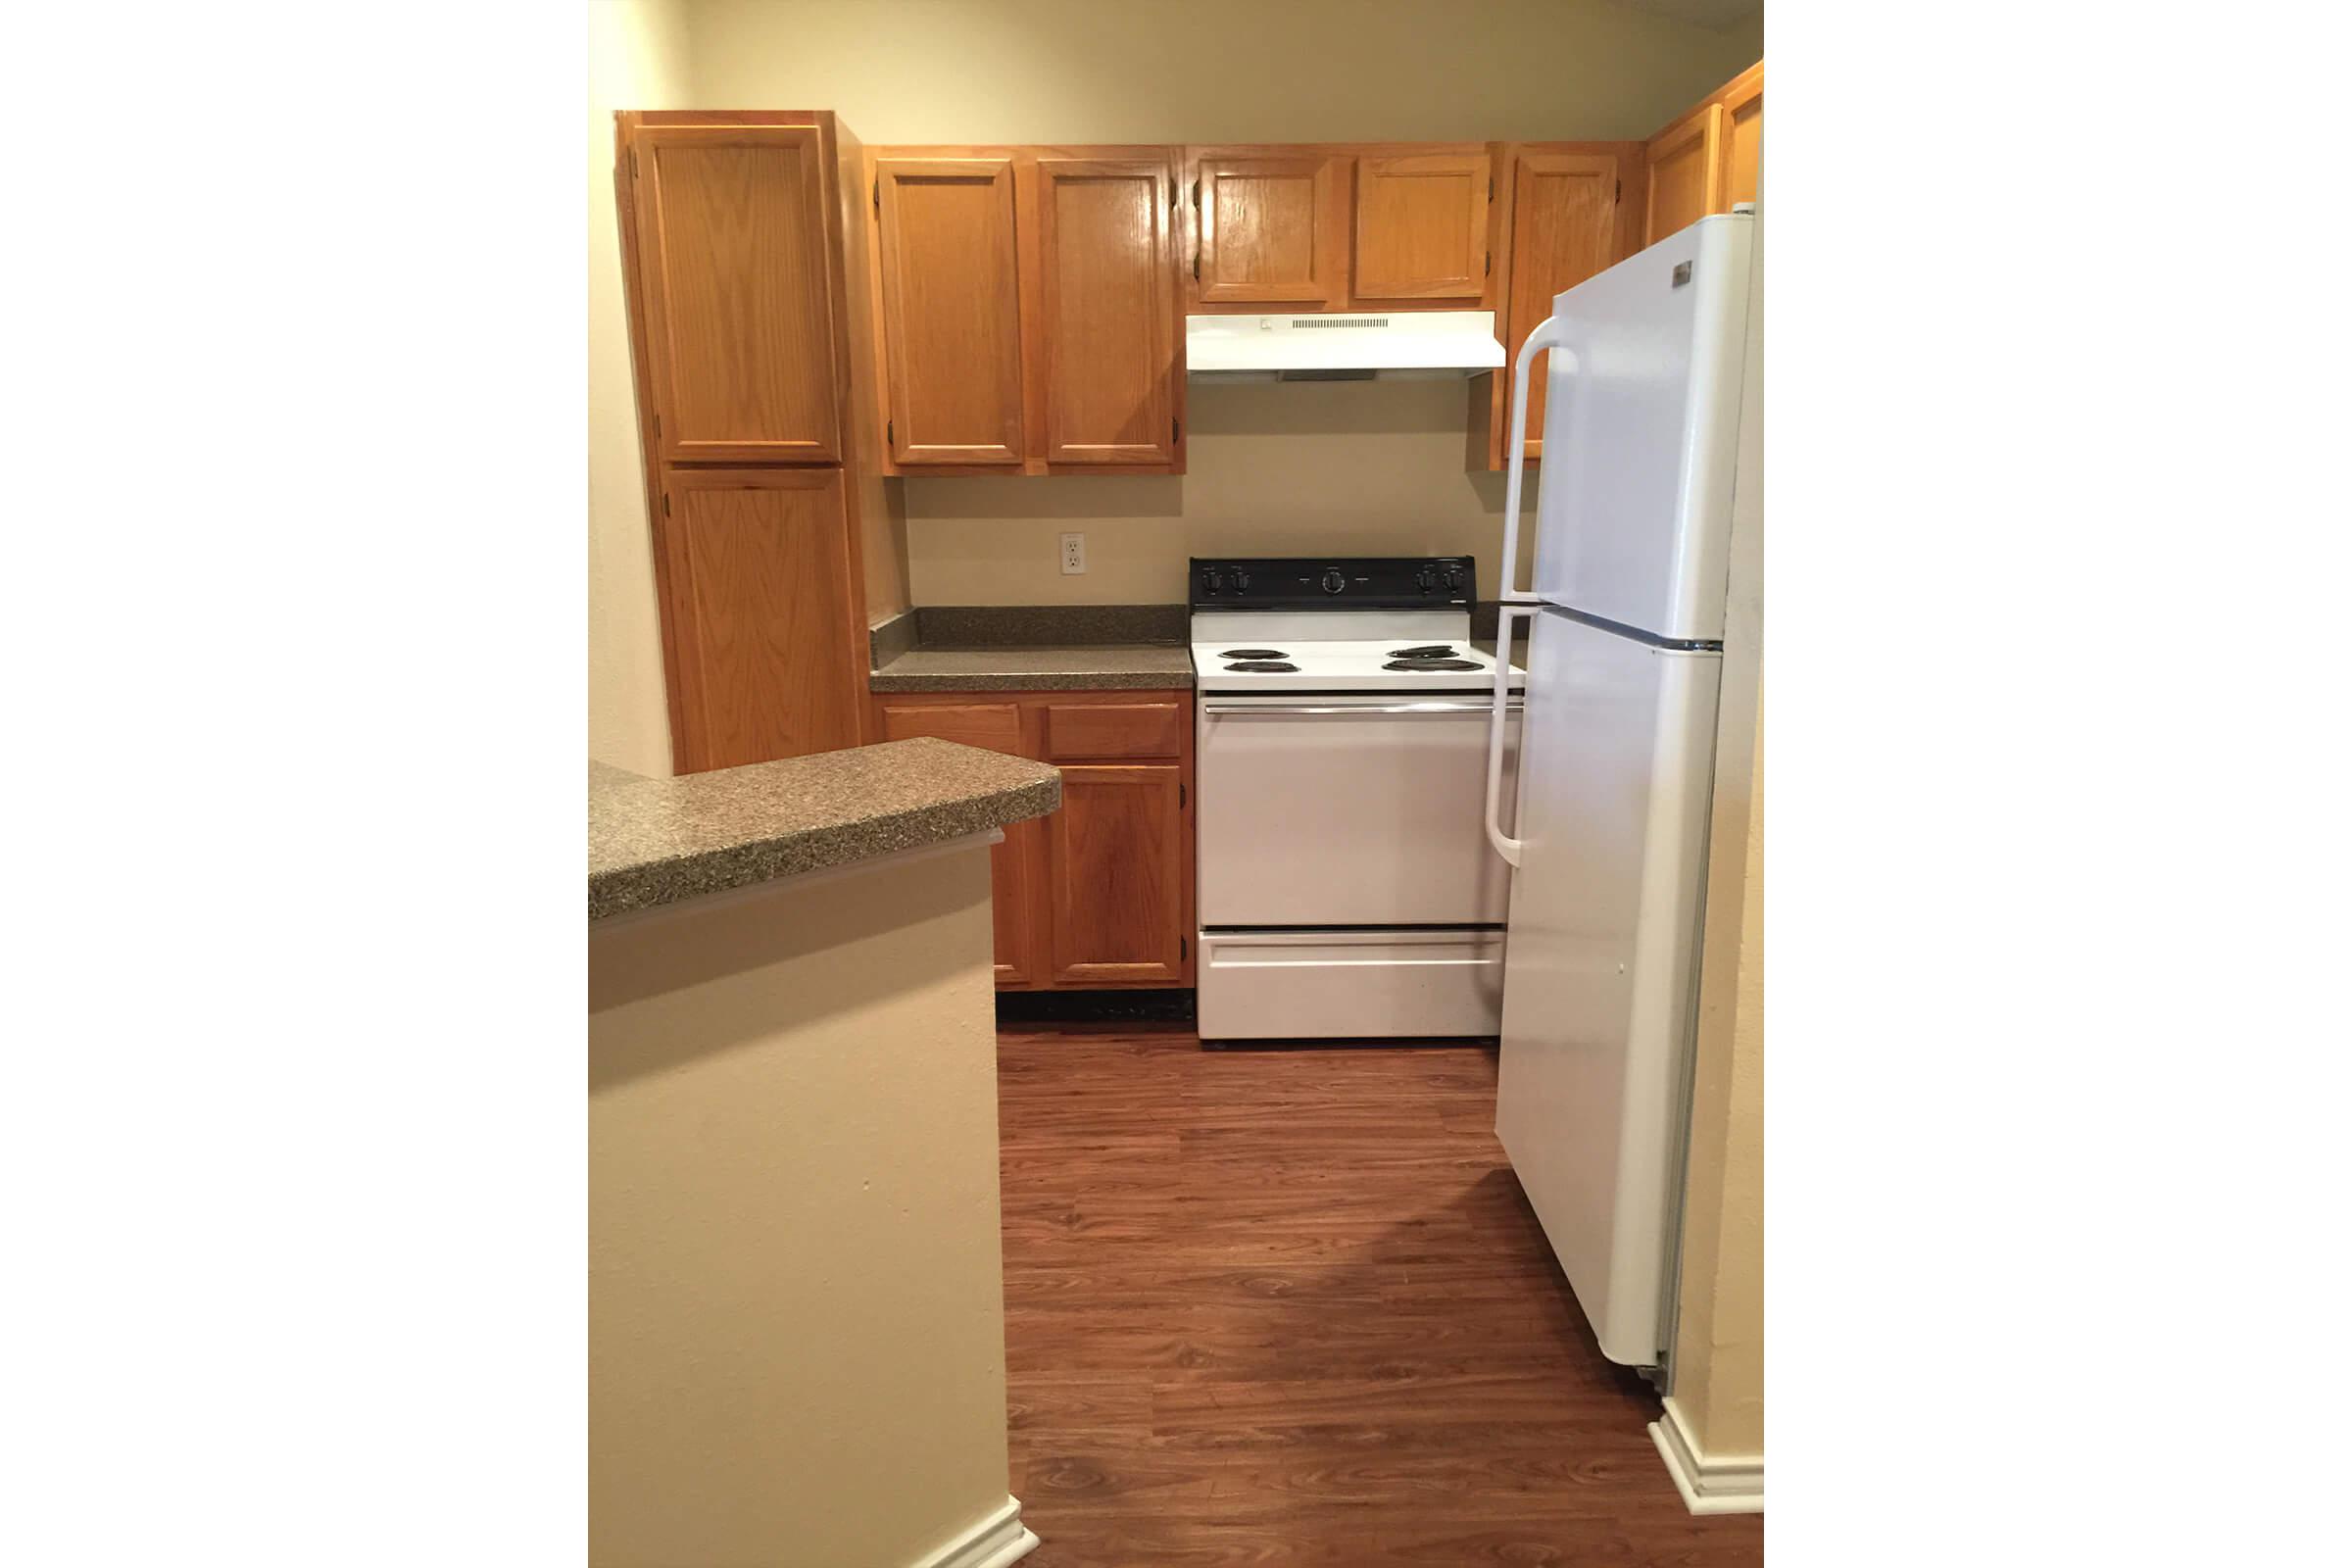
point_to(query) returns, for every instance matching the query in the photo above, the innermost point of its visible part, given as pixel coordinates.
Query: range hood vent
(1443, 344)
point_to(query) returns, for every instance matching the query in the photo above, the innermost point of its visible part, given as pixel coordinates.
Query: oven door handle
(1504, 845)
(1405, 709)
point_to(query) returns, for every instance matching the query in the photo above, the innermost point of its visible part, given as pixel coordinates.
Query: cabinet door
(1118, 875)
(737, 289)
(758, 618)
(1421, 227)
(951, 309)
(1686, 173)
(1272, 229)
(1014, 866)
(1106, 299)
(1563, 230)
(1742, 135)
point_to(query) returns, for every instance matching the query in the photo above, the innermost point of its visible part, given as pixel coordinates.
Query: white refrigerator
(1616, 758)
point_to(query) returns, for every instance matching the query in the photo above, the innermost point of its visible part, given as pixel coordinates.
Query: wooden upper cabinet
(1270, 229)
(1421, 225)
(1686, 173)
(757, 571)
(735, 272)
(951, 308)
(1103, 345)
(1742, 135)
(1563, 230)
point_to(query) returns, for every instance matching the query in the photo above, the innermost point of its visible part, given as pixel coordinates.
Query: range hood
(1398, 344)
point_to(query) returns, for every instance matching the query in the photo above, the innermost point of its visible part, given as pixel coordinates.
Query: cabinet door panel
(1012, 864)
(1563, 230)
(1117, 875)
(951, 309)
(1686, 173)
(1273, 229)
(736, 276)
(1743, 136)
(759, 613)
(1107, 298)
(1421, 227)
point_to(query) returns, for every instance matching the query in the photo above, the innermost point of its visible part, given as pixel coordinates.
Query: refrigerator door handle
(1546, 336)
(1504, 845)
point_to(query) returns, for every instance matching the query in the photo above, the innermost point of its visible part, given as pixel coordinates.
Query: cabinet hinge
(1175, 435)
(1490, 187)
(1621, 190)
(1195, 193)
(1180, 795)
(656, 427)
(1184, 946)
(877, 193)
(889, 431)
(1490, 264)
(1173, 201)
(665, 503)
(632, 163)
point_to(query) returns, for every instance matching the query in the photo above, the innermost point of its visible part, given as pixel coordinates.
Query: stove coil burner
(1261, 653)
(1266, 667)
(1425, 651)
(1429, 663)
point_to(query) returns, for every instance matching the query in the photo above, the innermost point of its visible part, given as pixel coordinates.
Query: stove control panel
(1335, 582)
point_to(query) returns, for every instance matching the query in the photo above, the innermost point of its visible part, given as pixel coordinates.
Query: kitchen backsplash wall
(1309, 468)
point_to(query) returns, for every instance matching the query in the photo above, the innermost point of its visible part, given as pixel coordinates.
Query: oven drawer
(1342, 985)
(1348, 810)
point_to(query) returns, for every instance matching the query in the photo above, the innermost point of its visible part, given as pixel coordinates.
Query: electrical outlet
(1073, 553)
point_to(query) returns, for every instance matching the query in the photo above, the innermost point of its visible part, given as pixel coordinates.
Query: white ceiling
(1720, 14)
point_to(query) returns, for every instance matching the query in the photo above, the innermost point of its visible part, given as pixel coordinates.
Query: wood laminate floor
(1290, 1306)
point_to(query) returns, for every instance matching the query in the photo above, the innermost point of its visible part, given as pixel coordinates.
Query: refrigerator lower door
(1601, 973)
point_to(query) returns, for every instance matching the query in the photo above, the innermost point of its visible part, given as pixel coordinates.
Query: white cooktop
(1348, 653)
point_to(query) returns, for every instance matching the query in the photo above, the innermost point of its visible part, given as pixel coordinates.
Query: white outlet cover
(1073, 553)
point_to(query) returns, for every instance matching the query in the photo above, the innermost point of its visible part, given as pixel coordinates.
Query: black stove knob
(1424, 579)
(1211, 580)
(1333, 581)
(1241, 581)
(1453, 578)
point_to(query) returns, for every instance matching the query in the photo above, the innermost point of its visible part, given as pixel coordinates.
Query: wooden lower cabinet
(1099, 894)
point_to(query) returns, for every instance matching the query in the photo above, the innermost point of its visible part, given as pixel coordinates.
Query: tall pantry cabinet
(746, 274)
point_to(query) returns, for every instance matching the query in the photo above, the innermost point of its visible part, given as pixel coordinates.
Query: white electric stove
(1346, 890)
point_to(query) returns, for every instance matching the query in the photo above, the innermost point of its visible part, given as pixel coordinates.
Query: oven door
(1348, 811)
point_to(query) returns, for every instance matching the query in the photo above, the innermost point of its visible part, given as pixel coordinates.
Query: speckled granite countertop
(1106, 667)
(655, 841)
(1046, 648)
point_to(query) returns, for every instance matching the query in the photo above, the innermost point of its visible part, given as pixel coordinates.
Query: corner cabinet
(1028, 309)
(1099, 894)
(1708, 159)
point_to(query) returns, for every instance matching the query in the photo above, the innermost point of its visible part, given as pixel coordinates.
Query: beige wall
(1719, 1330)
(1312, 468)
(796, 1289)
(637, 59)
(1361, 467)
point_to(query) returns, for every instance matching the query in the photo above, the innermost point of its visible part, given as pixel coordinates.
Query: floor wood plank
(1277, 1307)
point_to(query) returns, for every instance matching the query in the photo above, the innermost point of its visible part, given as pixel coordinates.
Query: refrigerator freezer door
(1641, 427)
(1601, 967)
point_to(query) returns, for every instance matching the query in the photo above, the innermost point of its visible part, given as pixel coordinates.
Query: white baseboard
(993, 1543)
(1708, 1483)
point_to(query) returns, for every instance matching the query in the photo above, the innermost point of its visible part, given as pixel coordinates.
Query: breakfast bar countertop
(657, 841)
